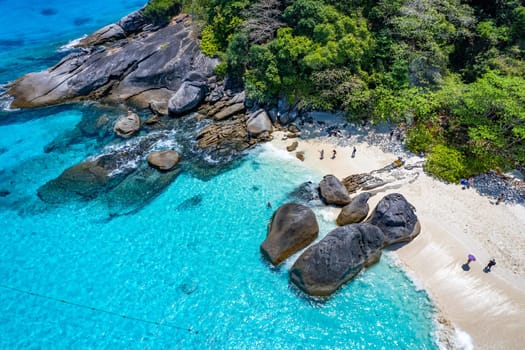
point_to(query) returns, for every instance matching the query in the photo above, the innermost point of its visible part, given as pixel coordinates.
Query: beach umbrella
(471, 257)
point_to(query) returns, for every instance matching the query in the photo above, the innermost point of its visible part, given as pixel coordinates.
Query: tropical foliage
(452, 71)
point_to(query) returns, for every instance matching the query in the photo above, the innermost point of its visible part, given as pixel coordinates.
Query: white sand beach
(489, 307)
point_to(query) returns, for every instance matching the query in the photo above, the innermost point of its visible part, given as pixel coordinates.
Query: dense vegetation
(451, 71)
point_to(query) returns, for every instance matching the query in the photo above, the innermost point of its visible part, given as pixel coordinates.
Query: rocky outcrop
(333, 191)
(155, 60)
(307, 192)
(293, 227)
(226, 107)
(128, 125)
(90, 178)
(189, 95)
(230, 111)
(109, 33)
(361, 182)
(163, 160)
(396, 217)
(258, 122)
(356, 211)
(337, 258)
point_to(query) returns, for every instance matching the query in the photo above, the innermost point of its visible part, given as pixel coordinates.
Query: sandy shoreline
(490, 307)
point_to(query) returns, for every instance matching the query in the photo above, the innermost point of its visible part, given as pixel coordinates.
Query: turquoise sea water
(184, 272)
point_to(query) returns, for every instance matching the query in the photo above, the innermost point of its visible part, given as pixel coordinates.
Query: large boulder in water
(356, 211)
(163, 160)
(128, 125)
(333, 191)
(293, 227)
(337, 258)
(396, 217)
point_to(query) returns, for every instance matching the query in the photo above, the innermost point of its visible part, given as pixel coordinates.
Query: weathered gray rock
(293, 227)
(230, 111)
(337, 258)
(356, 211)
(187, 97)
(258, 122)
(128, 125)
(109, 33)
(159, 59)
(163, 160)
(396, 217)
(333, 191)
(133, 22)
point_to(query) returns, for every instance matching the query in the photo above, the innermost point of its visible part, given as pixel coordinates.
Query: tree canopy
(452, 71)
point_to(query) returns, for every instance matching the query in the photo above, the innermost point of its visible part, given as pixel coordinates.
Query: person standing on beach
(334, 153)
(499, 199)
(491, 263)
(322, 154)
(353, 152)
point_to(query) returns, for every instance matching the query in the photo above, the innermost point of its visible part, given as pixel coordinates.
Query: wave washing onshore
(490, 307)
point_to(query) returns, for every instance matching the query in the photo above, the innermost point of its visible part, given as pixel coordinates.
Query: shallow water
(183, 272)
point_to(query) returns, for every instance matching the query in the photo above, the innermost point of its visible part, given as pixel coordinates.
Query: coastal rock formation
(109, 33)
(307, 192)
(337, 258)
(90, 178)
(155, 61)
(293, 227)
(82, 181)
(363, 182)
(128, 125)
(356, 211)
(396, 217)
(187, 97)
(163, 160)
(333, 191)
(258, 122)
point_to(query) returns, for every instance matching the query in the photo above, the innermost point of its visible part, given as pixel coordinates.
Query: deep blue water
(184, 272)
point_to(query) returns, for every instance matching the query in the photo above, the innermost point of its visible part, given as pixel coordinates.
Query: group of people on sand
(471, 258)
(334, 153)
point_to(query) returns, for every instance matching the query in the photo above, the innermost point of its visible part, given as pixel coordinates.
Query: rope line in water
(112, 313)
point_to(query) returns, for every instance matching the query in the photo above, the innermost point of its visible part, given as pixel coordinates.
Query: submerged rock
(396, 217)
(293, 227)
(137, 189)
(190, 202)
(356, 211)
(90, 178)
(333, 191)
(337, 258)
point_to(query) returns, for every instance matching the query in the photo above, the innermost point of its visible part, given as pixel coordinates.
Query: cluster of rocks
(326, 265)
(145, 68)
